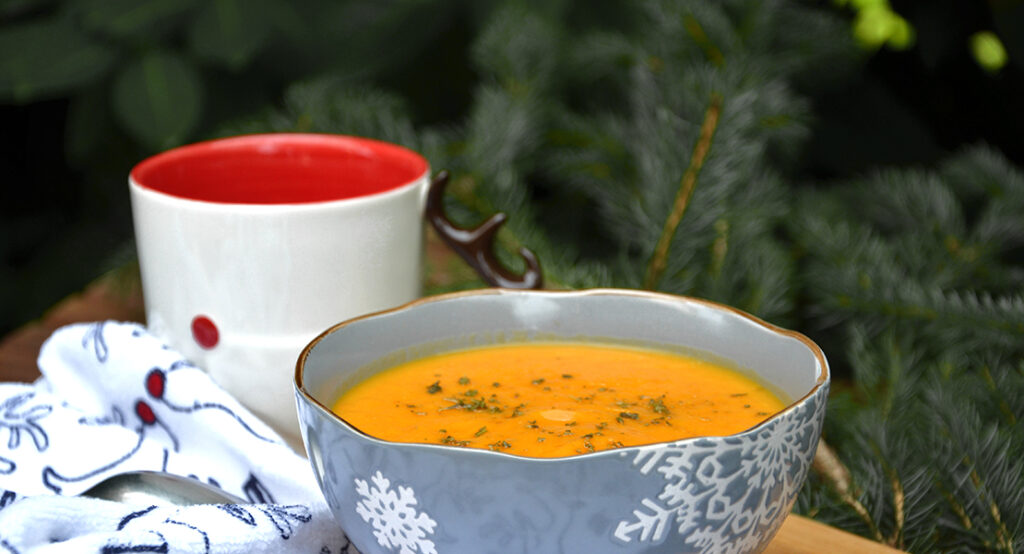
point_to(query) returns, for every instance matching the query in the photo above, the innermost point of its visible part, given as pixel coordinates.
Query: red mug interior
(280, 169)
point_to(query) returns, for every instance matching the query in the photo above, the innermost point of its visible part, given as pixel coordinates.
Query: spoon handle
(147, 488)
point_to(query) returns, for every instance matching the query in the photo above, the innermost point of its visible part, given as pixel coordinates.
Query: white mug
(251, 246)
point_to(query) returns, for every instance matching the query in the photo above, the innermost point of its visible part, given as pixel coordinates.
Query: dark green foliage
(906, 267)
(908, 246)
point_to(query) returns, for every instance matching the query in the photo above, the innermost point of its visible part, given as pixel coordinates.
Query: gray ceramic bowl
(713, 494)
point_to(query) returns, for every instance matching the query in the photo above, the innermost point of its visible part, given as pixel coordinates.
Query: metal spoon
(147, 488)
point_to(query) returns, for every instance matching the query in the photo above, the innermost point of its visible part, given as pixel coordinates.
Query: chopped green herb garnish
(453, 441)
(473, 405)
(471, 392)
(658, 405)
(537, 381)
(435, 388)
(566, 376)
(623, 416)
(463, 380)
(480, 431)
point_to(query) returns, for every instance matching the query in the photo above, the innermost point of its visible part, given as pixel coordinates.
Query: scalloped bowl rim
(822, 380)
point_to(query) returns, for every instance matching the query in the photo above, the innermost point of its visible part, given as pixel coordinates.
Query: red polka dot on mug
(205, 332)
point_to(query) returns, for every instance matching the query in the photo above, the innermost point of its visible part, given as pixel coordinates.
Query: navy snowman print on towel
(156, 529)
(20, 418)
(171, 404)
(156, 386)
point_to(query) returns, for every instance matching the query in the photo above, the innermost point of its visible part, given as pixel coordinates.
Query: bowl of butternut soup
(604, 420)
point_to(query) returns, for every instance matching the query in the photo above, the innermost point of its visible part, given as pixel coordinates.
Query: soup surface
(551, 400)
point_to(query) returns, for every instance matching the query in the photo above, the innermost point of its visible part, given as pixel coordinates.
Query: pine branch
(707, 131)
(977, 319)
(828, 465)
(695, 30)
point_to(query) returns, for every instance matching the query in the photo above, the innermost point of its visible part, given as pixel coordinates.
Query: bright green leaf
(231, 32)
(158, 99)
(874, 25)
(48, 58)
(988, 51)
(869, 4)
(902, 35)
(122, 18)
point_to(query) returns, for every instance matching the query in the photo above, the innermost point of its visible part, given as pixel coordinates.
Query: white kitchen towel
(114, 398)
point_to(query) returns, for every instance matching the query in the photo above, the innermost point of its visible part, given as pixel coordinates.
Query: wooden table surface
(105, 300)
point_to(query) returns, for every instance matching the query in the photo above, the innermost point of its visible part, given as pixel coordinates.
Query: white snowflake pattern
(700, 494)
(396, 523)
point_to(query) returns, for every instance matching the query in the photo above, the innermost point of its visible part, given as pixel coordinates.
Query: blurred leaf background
(88, 88)
(847, 168)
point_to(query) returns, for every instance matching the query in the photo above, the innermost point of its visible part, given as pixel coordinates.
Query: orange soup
(549, 400)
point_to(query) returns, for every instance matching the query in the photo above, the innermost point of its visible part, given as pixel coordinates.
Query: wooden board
(800, 535)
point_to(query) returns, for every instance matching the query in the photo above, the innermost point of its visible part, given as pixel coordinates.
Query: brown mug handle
(476, 246)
